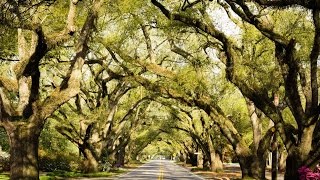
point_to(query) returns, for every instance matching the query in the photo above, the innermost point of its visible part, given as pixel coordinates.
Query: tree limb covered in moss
(70, 86)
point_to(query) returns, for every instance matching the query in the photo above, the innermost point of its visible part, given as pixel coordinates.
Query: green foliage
(4, 141)
(56, 153)
(8, 45)
(296, 23)
(235, 109)
(119, 27)
(258, 67)
(4, 176)
(51, 141)
(59, 161)
(66, 174)
(54, 17)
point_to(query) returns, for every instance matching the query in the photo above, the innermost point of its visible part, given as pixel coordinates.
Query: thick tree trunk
(183, 158)
(298, 154)
(192, 159)
(292, 165)
(90, 163)
(216, 163)
(253, 167)
(200, 160)
(215, 160)
(24, 142)
(112, 157)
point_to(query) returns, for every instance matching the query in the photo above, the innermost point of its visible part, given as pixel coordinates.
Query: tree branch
(70, 86)
(314, 63)
(69, 30)
(311, 4)
(265, 28)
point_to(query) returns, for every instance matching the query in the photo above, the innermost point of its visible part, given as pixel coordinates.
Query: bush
(59, 161)
(105, 167)
(307, 174)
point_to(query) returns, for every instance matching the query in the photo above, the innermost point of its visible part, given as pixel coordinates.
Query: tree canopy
(121, 80)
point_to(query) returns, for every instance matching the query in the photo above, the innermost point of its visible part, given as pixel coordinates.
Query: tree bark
(216, 163)
(274, 165)
(299, 153)
(24, 142)
(256, 123)
(293, 163)
(215, 160)
(252, 167)
(90, 163)
(282, 160)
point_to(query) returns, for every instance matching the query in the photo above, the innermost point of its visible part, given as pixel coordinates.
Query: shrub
(306, 173)
(58, 161)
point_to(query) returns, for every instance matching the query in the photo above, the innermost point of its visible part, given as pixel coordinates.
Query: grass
(4, 176)
(66, 174)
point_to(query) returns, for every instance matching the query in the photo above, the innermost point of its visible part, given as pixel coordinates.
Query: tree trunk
(292, 165)
(215, 160)
(253, 167)
(206, 162)
(183, 158)
(112, 157)
(199, 160)
(282, 160)
(297, 154)
(121, 155)
(24, 142)
(90, 163)
(256, 123)
(216, 163)
(192, 159)
(274, 166)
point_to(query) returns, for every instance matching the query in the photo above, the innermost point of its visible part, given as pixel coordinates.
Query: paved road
(160, 170)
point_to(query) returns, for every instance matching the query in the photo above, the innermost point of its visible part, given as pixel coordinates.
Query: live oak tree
(298, 73)
(200, 128)
(150, 131)
(104, 130)
(274, 52)
(23, 109)
(252, 162)
(187, 92)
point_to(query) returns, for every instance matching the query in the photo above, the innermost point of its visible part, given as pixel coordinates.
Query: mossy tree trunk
(216, 164)
(298, 154)
(24, 139)
(90, 164)
(252, 167)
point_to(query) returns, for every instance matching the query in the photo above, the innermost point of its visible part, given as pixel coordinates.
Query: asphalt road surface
(160, 170)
